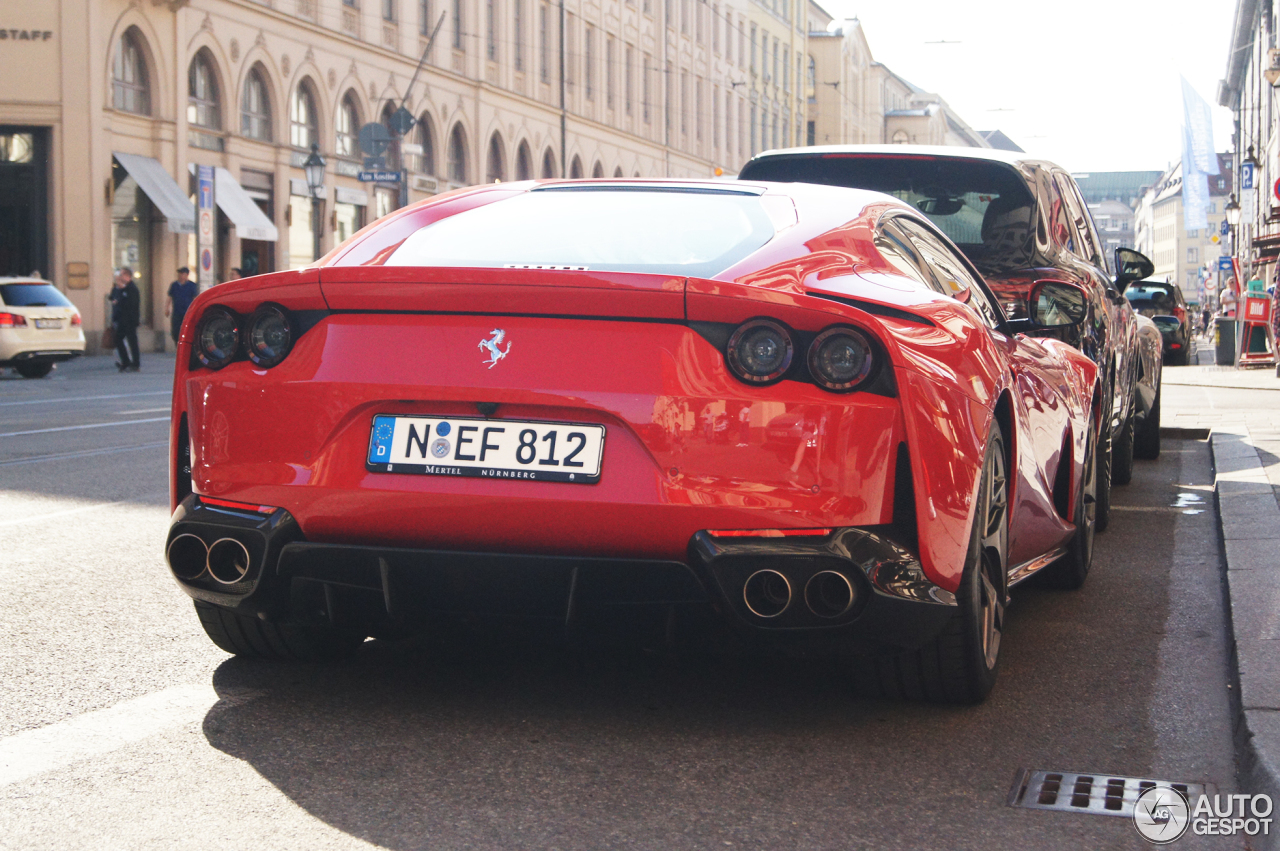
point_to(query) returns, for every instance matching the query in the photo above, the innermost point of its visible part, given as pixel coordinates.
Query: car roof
(937, 151)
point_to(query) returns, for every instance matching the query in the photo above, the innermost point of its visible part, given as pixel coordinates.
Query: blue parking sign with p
(1247, 175)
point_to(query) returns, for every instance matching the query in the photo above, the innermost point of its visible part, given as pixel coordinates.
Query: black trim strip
(876, 309)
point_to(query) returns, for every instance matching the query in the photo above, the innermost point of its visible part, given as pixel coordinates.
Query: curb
(1249, 519)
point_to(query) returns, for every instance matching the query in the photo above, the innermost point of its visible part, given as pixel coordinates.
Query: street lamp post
(314, 166)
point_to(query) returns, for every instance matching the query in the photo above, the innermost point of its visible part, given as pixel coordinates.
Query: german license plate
(48, 323)
(486, 449)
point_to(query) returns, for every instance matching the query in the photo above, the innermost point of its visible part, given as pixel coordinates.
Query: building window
(495, 167)
(644, 86)
(684, 17)
(575, 168)
(786, 69)
(588, 61)
(699, 111)
(684, 103)
(715, 29)
(203, 109)
(811, 81)
(597, 171)
(609, 75)
(544, 42)
(457, 25)
(811, 135)
(548, 164)
(517, 35)
(753, 48)
(388, 10)
(304, 125)
(900, 137)
(255, 107)
(458, 155)
(524, 165)
(427, 139)
(347, 126)
(424, 17)
(491, 30)
(130, 85)
(628, 78)
(1193, 255)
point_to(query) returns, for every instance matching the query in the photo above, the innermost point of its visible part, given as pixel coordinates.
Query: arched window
(304, 123)
(427, 139)
(458, 155)
(495, 166)
(617, 172)
(900, 137)
(130, 84)
(548, 164)
(597, 170)
(347, 126)
(393, 154)
(203, 107)
(524, 163)
(575, 169)
(255, 106)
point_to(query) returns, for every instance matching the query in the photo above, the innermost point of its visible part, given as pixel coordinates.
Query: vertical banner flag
(206, 232)
(1199, 159)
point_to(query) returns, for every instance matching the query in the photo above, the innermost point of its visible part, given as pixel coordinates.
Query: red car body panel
(621, 350)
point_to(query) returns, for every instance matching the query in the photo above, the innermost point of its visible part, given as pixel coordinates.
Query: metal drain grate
(1100, 794)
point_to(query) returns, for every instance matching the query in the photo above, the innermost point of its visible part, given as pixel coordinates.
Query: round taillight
(217, 337)
(760, 351)
(269, 336)
(840, 359)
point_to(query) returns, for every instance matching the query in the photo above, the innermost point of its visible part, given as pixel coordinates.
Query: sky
(1095, 88)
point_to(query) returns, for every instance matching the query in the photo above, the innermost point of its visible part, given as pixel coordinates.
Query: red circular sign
(1275, 190)
(206, 260)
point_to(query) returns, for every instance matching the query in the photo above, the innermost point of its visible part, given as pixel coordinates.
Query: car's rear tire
(34, 370)
(1104, 450)
(277, 641)
(1122, 451)
(960, 664)
(1146, 440)
(1070, 571)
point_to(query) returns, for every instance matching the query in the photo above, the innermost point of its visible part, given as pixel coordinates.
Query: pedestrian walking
(744, 425)
(181, 293)
(126, 312)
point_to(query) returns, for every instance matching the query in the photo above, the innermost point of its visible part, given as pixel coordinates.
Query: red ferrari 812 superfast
(796, 408)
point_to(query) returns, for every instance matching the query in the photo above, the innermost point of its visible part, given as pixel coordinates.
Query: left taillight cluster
(762, 351)
(12, 320)
(264, 337)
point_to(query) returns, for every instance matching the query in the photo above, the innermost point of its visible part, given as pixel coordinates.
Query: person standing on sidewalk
(181, 293)
(126, 312)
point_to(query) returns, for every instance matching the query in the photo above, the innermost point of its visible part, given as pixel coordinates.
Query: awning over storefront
(169, 199)
(1267, 246)
(249, 220)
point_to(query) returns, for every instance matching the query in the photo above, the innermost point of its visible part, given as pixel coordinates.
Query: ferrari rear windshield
(32, 295)
(698, 233)
(984, 207)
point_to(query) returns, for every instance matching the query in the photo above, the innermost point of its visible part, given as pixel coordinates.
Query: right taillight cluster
(223, 336)
(762, 351)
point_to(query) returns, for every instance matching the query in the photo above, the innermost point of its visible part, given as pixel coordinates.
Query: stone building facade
(114, 102)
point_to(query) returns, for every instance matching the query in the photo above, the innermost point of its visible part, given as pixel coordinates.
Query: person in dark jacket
(126, 314)
(181, 293)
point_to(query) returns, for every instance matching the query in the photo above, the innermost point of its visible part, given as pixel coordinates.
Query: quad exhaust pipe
(828, 594)
(227, 559)
(188, 556)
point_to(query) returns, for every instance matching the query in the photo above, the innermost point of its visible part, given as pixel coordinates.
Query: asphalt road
(121, 726)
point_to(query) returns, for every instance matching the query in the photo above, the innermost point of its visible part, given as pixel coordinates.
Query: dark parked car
(1020, 221)
(1164, 303)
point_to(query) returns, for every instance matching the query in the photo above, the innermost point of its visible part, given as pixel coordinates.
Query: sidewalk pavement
(1240, 408)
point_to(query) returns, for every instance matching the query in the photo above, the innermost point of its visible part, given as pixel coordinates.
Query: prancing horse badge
(491, 346)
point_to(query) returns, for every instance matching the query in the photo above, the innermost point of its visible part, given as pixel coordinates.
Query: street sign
(1224, 264)
(1276, 190)
(379, 176)
(1247, 175)
(206, 234)
(1224, 228)
(374, 139)
(401, 121)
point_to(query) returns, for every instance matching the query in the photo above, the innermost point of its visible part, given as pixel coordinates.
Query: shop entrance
(24, 201)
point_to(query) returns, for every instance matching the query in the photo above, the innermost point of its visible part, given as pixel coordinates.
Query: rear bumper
(893, 604)
(43, 356)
